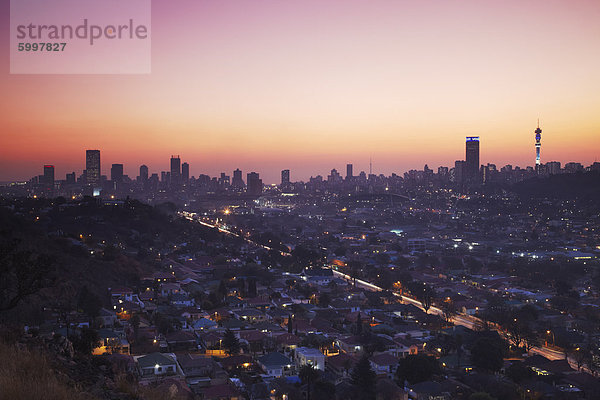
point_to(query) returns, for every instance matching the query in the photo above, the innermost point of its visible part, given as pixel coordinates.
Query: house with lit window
(309, 356)
(275, 364)
(156, 364)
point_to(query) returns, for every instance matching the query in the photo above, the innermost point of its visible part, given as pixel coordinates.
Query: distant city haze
(313, 85)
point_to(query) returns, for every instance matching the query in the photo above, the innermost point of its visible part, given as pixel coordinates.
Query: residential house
(221, 392)
(181, 340)
(384, 365)
(250, 315)
(156, 364)
(340, 365)
(275, 364)
(201, 371)
(203, 324)
(309, 356)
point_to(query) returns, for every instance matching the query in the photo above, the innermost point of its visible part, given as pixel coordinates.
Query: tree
(242, 287)
(323, 390)
(563, 303)
(519, 372)
(417, 368)
(252, 287)
(222, 291)
(22, 273)
(89, 303)
(324, 299)
(363, 380)
(163, 324)
(449, 309)
(340, 251)
(86, 341)
(487, 353)
(308, 375)
(231, 343)
(135, 324)
(425, 296)
(519, 327)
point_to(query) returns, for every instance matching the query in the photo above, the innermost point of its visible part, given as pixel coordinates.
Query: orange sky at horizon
(312, 86)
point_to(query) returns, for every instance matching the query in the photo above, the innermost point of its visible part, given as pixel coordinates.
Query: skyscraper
(472, 159)
(143, 173)
(185, 172)
(459, 171)
(92, 166)
(49, 177)
(237, 182)
(285, 177)
(255, 184)
(175, 171)
(538, 145)
(70, 179)
(116, 173)
(348, 172)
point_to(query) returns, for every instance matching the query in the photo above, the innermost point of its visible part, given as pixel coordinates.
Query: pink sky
(311, 85)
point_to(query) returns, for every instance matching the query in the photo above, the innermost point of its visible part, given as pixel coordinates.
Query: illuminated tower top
(538, 144)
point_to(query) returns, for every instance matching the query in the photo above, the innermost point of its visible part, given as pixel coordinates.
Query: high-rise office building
(553, 167)
(175, 171)
(255, 184)
(237, 182)
(472, 159)
(185, 172)
(116, 173)
(224, 181)
(285, 177)
(153, 182)
(349, 171)
(143, 173)
(92, 166)
(538, 145)
(48, 177)
(459, 171)
(70, 179)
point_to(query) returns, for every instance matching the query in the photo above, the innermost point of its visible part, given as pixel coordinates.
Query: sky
(310, 85)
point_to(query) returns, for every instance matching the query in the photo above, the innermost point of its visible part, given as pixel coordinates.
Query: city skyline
(400, 82)
(181, 171)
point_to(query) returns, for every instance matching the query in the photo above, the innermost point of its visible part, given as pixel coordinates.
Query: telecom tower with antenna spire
(538, 145)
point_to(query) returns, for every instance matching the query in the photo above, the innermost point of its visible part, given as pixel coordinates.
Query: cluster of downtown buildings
(177, 182)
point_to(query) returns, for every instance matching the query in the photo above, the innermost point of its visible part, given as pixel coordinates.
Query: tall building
(459, 171)
(348, 172)
(185, 172)
(70, 179)
(538, 145)
(285, 177)
(48, 177)
(224, 181)
(116, 173)
(143, 173)
(553, 167)
(472, 159)
(255, 184)
(237, 182)
(175, 171)
(92, 166)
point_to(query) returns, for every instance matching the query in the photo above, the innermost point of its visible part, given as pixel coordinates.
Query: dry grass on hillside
(27, 375)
